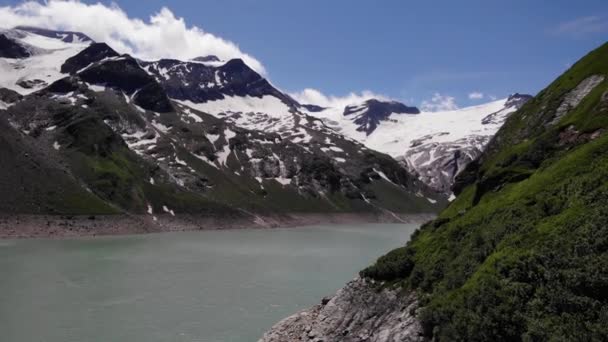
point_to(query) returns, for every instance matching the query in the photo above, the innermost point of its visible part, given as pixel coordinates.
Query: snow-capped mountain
(232, 91)
(434, 145)
(195, 137)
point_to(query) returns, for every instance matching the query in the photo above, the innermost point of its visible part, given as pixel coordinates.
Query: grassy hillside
(522, 253)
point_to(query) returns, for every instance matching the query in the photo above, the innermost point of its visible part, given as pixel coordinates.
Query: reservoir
(208, 286)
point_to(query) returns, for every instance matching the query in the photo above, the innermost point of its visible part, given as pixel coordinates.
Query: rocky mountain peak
(369, 114)
(101, 65)
(202, 83)
(514, 102)
(517, 100)
(94, 53)
(236, 71)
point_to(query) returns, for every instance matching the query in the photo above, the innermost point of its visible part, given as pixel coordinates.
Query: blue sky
(407, 50)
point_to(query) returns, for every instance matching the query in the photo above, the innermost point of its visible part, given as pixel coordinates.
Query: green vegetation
(32, 184)
(113, 177)
(79, 202)
(391, 197)
(522, 253)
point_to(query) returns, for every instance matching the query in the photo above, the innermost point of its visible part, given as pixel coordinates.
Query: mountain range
(168, 140)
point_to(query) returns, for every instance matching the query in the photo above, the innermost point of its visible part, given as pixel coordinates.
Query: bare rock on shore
(59, 226)
(358, 312)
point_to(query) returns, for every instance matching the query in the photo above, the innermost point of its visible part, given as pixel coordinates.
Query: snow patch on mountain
(434, 145)
(397, 135)
(266, 113)
(43, 67)
(269, 105)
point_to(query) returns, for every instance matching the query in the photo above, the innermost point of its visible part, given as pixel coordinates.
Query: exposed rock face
(123, 73)
(358, 312)
(575, 96)
(94, 53)
(200, 82)
(152, 97)
(371, 112)
(438, 163)
(9, 96)
(11, 49)
(514, 101)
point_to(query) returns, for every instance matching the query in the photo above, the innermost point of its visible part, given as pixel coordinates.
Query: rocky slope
(171, 138)
(437, 160)
(435, 146)
(521, 253)
(356, 313)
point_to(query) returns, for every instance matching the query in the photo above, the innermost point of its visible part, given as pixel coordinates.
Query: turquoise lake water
(194, 286)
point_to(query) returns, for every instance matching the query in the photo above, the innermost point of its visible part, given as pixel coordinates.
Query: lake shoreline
(66, 226)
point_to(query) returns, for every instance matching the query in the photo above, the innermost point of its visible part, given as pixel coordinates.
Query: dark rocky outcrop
(11, 49)
(125, 74)
(372, 112)
(201, 83)
(152, 97)
(30, 84)
(9, 96)
(94, 53)
(64, 85)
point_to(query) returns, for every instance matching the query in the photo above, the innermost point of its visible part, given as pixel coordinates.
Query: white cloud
(476, 95)
(162, 36)
(314, 96)
(439, 103)
(581, 26)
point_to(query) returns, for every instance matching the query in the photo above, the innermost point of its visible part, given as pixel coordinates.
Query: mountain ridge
(116, 127)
